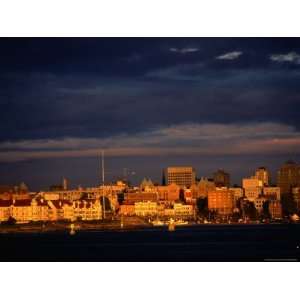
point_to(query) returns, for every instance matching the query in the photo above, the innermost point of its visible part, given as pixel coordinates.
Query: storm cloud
(146, 97)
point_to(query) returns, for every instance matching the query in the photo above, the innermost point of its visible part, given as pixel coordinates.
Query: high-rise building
(296, 196)
(65, 184)
(263, 175)
(221, 179)
(221, 200)
(182, 176)
(252, 188)
(288, 177)
(251, 183)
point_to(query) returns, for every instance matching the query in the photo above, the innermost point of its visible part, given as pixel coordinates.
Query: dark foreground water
(199, 243)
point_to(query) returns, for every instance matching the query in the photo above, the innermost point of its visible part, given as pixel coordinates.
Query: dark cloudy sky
(211, 102)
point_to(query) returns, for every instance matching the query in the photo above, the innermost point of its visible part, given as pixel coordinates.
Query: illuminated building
(296, 196)
(221, 200)
(237, 192)
(263, 175)
(182, 176)
(65, 184)
(168, 194)
(275, 209)
(252, 188)
(21, 211)
(201, 188)
(272, 192)
(147, 185)
(221, 179)
(145, 208)
(5, 210)
(40, 210)
(188, 197)
(183, 210)
(132, 197)
(259, 203)
(252, 182)
(252, 193)
(288, 177)
(87, 210)
(127, 209)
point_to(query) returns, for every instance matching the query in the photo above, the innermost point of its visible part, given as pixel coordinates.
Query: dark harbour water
(198, 243)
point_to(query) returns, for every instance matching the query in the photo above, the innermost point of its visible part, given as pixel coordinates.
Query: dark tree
(83, 196)
(266, 212)
(289, 206)
(163, 180)
(106, 202)
(238, 203)
(10, 221)
(120, 197)
(250, 210)
(236, 216)
(202, 206)
(181, 195)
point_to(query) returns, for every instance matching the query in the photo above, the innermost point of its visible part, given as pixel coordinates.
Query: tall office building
(182, 176)
(263, 175)
(288, 177)
(221, 179)
(252, 188)
(65, 184)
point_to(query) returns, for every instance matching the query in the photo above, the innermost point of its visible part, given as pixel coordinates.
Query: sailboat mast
(103, 200)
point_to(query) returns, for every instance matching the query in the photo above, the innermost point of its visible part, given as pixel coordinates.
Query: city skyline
(149, 103)
(161, 178)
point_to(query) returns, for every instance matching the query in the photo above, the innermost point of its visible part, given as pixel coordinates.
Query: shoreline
(115, 226)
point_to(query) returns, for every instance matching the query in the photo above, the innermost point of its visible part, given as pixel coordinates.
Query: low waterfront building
(169, 212)
(147, 208)
(127, 210)
(5, 210)
(183, 210)
(40, 210)
(133, 197)
(56, 210)
(87, 210)
(22, 211)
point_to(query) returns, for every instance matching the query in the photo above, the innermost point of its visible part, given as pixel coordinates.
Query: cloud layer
(172, 98)
(230, 55)
(184, 50)
(185, 139)
(291, 57)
